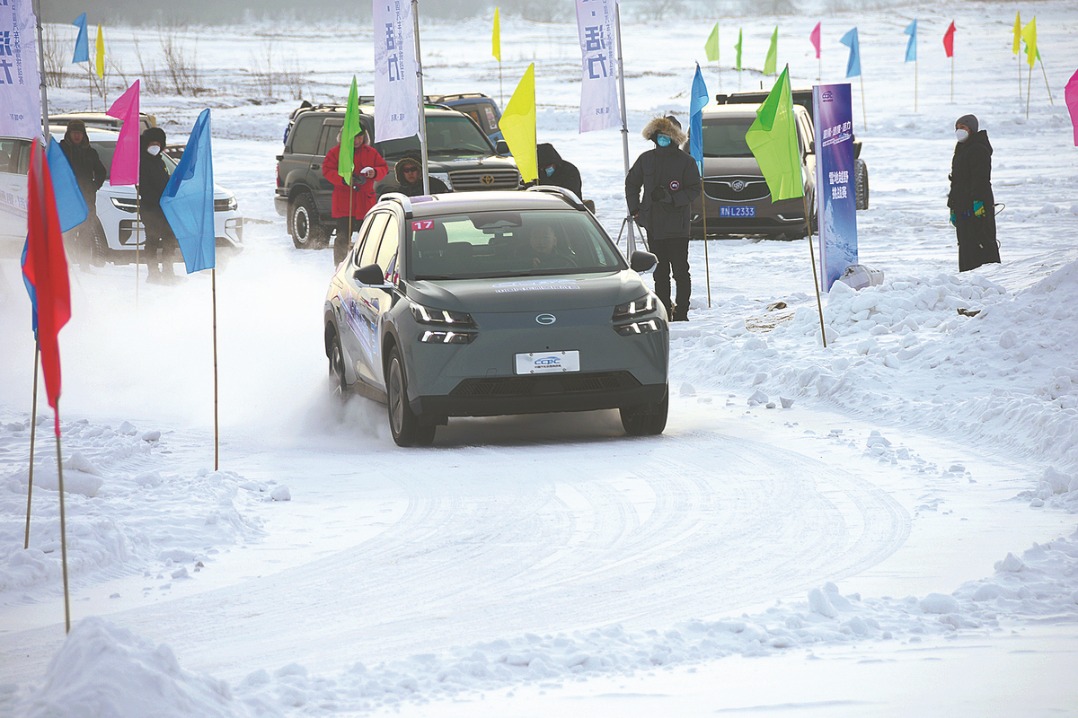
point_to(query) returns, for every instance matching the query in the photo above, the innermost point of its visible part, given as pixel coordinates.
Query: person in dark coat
(971, 199)
(409, 174)
(90, 174)
(553, 170)
(669, 180)
(359, 197)
(153, 175)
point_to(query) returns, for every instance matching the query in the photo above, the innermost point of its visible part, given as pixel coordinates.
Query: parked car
(443, 308)
(116, 206)
(804, 98)
(481, 108)
(108, 122)
(459, 154)
(738, 201)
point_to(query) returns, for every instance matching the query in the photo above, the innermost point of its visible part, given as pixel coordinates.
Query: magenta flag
(1071, 93)
(125, 159)
(815, 38)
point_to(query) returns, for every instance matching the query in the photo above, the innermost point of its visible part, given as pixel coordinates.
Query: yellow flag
(100, 53)
(1017, 33)
(496, 39)
(518, 126)
(1029, 34)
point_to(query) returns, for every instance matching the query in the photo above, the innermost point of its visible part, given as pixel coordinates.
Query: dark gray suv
(482, 304)
(459, 153)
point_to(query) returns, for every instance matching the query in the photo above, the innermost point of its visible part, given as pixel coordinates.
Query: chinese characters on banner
(599, 87)
(396, 106)
(836, 191)
(20, 85)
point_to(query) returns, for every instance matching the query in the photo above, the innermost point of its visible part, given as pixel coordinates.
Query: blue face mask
(549, 171)
(662, 141)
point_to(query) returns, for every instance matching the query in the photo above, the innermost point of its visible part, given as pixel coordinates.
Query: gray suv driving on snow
(482, 304)
(459, 153)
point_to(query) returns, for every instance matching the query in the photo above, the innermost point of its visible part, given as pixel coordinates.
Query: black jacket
(86, 165)
(670, 181)
(565, 173)
(971, 174)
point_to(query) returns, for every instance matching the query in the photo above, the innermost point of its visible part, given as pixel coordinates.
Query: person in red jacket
(359, 197)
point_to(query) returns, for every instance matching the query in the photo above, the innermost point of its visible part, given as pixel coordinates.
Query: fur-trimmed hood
(665, 126)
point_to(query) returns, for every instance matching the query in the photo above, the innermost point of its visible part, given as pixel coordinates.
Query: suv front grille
(484, 179)
(736, 189)
(523, 386)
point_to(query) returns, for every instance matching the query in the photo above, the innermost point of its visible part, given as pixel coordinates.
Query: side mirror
(643, 262)
(502, 147)
(371, 275)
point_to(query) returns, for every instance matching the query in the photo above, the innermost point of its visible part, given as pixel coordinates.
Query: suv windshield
(509, 244)
(447, 135)
(725, 137)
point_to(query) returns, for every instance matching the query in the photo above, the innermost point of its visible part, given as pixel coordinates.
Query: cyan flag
(70, 204)
(698, 99)
(188, 199)
(853, 65)
(29, 286)
(82, 46)
(911, 45)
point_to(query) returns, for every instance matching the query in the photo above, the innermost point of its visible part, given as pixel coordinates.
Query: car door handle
(316, 165)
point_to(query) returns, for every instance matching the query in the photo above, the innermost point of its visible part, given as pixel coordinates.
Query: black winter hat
(546, 154)
(153, 134)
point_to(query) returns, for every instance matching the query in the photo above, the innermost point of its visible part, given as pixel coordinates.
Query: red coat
(362, 199)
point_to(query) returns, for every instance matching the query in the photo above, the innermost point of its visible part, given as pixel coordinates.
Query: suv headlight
(444, 177)
(640, 316)
(443, 326)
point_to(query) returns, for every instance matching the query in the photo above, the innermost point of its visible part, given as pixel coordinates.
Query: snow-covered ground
(884, 526)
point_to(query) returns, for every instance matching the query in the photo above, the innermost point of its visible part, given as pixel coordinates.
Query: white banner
(599, 85)
(396, 94)
(20, 83)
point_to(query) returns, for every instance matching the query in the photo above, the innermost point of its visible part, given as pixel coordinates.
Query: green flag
(738, 46)
(711, 47)
(773, 141)
(351, 128)
(770, 64)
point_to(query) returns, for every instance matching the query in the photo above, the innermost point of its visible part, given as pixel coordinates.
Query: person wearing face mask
(658, 191)
(555, 171)
(350, 203)
(153, 175)
(971, 199)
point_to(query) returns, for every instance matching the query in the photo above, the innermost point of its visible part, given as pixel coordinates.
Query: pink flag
(948, 40)
(125, 159)
(815, 38)
(1071, 93)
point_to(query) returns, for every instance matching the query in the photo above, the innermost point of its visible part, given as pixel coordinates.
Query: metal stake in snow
(630, 240)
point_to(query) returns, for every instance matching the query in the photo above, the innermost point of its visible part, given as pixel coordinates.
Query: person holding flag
(670, 181)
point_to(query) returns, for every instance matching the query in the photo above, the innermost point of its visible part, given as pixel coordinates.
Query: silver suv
(459, 153)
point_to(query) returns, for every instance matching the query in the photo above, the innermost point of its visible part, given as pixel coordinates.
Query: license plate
(548, 362)
(727, 211)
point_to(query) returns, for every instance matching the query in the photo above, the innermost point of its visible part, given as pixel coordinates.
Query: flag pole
(630, 240)
(707, 261)
(419, 92)
(815, 277)
(216, 424)
(1046, 85)
(138, 237)
(63, 523)
(864, 112)
(952, 78)
(90, 84)
(915, 85)
(33, 439)
(1029, 83)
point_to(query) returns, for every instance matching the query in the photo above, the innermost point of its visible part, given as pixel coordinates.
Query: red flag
(46, 268)
(814, 38)
(948, 40)
(126, 156)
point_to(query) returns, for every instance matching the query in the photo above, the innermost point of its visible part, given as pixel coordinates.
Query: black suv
(481, 108)
(458, 151)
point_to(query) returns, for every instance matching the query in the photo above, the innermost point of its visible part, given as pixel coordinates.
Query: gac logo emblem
(546, 319)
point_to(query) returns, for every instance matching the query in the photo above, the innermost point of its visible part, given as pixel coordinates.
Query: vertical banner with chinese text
(20, 84)
(396, 94)
(599, 86)
(836, 190)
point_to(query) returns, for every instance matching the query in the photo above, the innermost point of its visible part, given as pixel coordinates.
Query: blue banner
(836, 185)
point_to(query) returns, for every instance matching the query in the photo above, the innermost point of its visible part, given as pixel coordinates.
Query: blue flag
(188, 199)
(698, 100)
(29, 287)
(70, 204)
(853, 65)
(911, 46)
(82, 47)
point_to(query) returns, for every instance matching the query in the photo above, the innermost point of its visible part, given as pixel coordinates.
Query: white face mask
(961, 135)
(154, 150)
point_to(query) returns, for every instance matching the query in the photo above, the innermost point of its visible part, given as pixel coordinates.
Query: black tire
(307, 232)
(337, 382)
(646, 419)
(861, 183)
(407, 428)
(100, 254)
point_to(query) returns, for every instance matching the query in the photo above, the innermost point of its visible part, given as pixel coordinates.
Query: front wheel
(307, 232)
(403, 422)
(337, 382)
(646, 419)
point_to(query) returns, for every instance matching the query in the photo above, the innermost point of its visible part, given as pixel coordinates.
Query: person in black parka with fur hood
(669, 180)
(971, 199)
